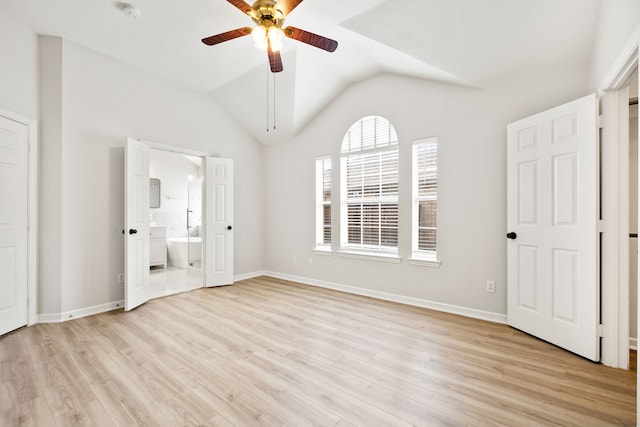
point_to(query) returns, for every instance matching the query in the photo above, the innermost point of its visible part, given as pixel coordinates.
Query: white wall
(19, 70)
(50, 203)
(471, 128)
(102, 101)
(618, 23)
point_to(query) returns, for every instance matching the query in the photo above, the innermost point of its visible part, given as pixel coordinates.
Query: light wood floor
(269, 352)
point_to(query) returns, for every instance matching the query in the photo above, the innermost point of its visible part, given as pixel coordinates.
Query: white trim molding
(615, 283)
(423, 262)
(247, 276)
(614, 164)
(32, 213)
(624, 65)
(83, 312)
(416, 302)
(379, 257)
(322, 252)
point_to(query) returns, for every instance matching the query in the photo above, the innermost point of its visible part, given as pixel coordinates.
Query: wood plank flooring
(276, 353)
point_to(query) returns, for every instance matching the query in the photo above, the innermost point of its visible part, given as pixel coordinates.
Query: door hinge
(600, 121)
(600, 226)
(600, 331)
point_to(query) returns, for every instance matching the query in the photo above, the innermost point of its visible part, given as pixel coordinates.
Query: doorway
(202, 199)
(175, 222)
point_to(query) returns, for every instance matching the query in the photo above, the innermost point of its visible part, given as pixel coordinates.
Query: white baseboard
(633, 343)
(247, 276)
(76, 314)
(102, 308)
(417, 302)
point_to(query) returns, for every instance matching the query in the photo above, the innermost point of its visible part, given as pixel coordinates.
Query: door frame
(615, 290)
(176, 150)
(32, 213)
(614, 142)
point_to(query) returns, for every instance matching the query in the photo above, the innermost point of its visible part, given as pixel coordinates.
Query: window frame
(419, 256)
(321, 204)
(367, 149)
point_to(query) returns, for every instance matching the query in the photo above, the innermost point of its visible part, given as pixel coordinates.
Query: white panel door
(552, 215)
(136, 231)
(13, 224)
(219, 222)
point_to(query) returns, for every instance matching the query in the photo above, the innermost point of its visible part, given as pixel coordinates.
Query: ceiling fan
(268, 34)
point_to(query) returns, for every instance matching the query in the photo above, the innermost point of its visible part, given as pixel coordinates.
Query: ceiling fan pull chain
(267, 100)
(274, 101)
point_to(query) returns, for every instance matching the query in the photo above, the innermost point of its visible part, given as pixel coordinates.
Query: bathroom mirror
(154, 192)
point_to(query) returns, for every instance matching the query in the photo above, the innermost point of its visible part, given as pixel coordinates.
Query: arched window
(369, 187)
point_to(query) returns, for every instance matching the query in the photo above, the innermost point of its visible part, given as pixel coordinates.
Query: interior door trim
(32, 213)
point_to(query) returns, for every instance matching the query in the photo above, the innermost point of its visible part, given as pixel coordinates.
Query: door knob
(511, 235)
(229, 227)
(133, 231)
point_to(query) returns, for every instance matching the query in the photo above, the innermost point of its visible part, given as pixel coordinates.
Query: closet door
(552, 215)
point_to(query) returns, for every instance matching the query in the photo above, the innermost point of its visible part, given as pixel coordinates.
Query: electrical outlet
(120, 277)
(295, 259)
(491, 286)
(309, 261)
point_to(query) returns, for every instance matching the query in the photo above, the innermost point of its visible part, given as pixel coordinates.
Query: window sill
(323, 252)
(368, 256)
(425, 262)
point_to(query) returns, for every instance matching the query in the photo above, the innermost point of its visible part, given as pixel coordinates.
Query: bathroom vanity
(158, 246)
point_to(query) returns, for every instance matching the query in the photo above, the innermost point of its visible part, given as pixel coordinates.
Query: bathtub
(177, 248)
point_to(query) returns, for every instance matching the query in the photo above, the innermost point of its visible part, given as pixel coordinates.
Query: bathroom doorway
(175, 222)
(183, 256)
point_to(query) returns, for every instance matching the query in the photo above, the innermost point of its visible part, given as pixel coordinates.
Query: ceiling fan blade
(229, 35)
(243, 6)
(311, 38)
(275, 60)
(286, 6)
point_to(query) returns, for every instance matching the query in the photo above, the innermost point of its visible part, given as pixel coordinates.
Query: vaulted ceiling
(467, 42)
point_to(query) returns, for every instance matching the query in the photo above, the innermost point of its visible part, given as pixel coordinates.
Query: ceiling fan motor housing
(266, 14)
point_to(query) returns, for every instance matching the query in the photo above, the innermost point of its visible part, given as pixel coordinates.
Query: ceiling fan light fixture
(265, 37)
(275, 35)
(268, 35)
(259, 35)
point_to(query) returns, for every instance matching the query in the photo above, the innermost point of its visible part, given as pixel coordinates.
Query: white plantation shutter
(425, 197)
(369, 133)
(323, 203)
(370, 186)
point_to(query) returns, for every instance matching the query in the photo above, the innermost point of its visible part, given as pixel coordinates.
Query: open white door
(552, 219)
(14, 146)
(219, 222)
(136, 224)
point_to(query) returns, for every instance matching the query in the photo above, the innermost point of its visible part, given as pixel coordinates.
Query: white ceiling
(467, 42)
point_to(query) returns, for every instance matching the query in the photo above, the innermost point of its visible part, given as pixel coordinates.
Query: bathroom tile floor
(173, 280)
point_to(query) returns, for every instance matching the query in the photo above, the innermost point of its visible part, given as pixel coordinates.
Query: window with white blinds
(323, 203)
(425, 198)
(369, 190)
